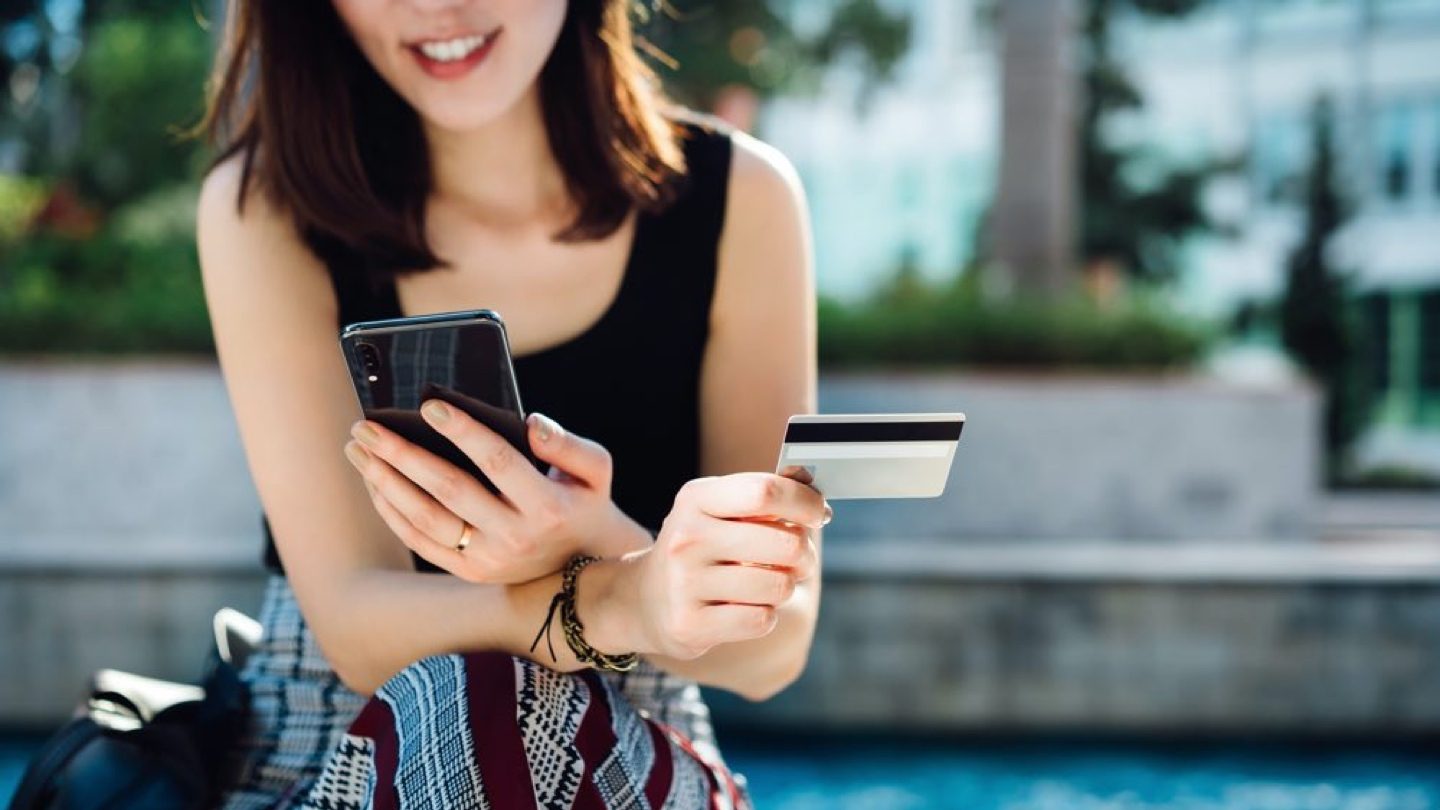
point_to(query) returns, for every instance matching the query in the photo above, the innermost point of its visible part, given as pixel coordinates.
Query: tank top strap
(699, 210)
(676, 249)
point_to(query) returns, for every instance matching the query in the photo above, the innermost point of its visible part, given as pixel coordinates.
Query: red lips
(456, 68)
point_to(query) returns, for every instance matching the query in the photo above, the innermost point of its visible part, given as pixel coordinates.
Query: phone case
(460, 357)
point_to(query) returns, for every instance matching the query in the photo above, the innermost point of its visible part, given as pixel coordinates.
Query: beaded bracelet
(574, 630)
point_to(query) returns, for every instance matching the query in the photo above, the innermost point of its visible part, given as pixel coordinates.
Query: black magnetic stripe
(874, 431)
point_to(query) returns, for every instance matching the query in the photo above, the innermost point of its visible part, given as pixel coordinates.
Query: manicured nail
(545, 427)
(829, 513)
(365, 434)
(356, 454)
(435, 411)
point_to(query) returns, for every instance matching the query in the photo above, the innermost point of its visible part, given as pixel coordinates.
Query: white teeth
(452, 50)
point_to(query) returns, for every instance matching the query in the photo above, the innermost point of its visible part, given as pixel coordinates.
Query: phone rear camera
(369, 357)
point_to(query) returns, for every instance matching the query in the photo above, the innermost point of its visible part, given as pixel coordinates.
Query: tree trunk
(1033, 223)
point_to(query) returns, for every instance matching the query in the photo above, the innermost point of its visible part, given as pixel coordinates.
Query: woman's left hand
(536, 523)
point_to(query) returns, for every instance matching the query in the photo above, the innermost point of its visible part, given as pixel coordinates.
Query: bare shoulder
(249, 246)
(222, 208)
(765, 245)
(763, 326)
(761, 175)
(225, 214)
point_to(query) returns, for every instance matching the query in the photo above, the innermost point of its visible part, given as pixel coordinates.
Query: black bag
(144, 743)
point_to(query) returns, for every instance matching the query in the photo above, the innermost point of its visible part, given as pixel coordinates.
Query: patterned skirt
(485, 730)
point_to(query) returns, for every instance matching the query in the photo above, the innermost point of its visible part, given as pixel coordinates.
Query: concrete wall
(60, 624)
(121, 453)
(1062, 581)
(1079, 459)
(127, 517)
(113, 452)
(1294, 642)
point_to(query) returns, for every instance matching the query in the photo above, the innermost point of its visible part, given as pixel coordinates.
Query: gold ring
(465, 536)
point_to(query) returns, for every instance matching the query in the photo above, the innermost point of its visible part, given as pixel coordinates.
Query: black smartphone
(460, 357)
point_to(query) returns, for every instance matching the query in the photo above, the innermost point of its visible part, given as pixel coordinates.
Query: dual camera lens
(369, 359)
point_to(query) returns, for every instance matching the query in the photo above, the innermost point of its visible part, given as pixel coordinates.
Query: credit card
(871, 455)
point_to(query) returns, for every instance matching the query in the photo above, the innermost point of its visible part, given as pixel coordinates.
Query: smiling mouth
(448, 58)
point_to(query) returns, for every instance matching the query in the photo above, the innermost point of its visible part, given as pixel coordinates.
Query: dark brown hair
(326, 138)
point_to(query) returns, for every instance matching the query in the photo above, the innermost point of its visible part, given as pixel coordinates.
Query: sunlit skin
(726, 594)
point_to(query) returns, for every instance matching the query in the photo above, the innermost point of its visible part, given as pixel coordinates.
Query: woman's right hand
(727, 556)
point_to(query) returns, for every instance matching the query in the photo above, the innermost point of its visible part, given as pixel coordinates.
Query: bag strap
(35, 783)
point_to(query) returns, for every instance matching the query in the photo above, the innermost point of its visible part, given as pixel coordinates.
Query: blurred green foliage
(97, 248)
(114, 270)
(708, 45)
(1138, 208)
(1318, 323)
(132, 287)
(912, 323)
(140, 82)
(20, 200)
(105, 119)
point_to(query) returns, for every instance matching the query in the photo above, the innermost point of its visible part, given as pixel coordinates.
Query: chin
(471, 102)
(462, 114)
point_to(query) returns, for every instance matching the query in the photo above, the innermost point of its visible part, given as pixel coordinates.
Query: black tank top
(631, 380)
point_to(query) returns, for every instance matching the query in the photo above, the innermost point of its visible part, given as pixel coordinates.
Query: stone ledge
(960, 652)
(1045, 458)
(925, 636)
(88, 555)
(1406, 558)
(1365, 513)
(1401, 561)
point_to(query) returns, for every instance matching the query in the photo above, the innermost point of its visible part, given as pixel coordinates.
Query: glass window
(1396, 130)
(1435, 149)
(1376, 319)
(909, 194)
(1278, 153)
(1430, 340)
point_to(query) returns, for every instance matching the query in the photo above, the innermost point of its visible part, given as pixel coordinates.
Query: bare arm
(274, 315)
(759, 369)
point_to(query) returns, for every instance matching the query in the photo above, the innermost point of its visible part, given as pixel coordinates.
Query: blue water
(860, 774)
(14, 750)
(909, 775)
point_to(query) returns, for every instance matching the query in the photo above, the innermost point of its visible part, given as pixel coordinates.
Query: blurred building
(1240, 77)
(903, 177)
(898, 174)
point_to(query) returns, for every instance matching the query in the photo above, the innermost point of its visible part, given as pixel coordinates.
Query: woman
(389, 157)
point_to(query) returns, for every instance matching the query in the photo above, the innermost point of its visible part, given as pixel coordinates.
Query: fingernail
(545, 427)
(365, 434)
(355, 453)
(829, 513)
(435, 411)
